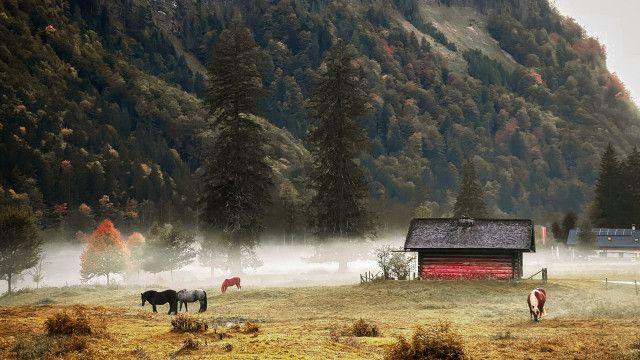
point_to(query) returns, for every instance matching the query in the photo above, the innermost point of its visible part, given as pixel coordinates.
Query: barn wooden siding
(469, 265)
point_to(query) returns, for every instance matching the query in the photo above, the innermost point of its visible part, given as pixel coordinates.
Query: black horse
(160, 298)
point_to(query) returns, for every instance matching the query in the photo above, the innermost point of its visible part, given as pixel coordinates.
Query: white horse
(188, 296)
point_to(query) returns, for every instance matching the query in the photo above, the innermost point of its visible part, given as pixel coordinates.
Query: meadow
(585, 320)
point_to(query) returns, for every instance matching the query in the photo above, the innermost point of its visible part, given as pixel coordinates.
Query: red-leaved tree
(106, 252)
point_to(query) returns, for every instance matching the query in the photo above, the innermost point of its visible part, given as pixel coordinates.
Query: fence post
(361, 281)
(544, 275)
(606, 283)
(636, 283)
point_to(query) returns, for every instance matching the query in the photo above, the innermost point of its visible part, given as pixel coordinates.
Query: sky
(615, 24)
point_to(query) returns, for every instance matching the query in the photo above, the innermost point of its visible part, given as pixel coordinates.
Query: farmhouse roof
(505, 234)
(610, 238)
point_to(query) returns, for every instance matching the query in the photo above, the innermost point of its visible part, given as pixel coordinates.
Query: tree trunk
(9, 283)
(235, 260)
(212, 271)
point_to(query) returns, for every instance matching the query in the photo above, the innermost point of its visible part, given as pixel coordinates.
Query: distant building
(470, 248)
(614, 241)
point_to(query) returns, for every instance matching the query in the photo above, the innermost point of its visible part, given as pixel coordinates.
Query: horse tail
(204, 305)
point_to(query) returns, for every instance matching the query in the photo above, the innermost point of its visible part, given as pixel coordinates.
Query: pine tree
(106, 253)
(470, 199)
(167, 248)
(586, 238)
(606, 208)
(20, 244)
(569, 222)
(630, 201)
(336, 140)
(236, 179)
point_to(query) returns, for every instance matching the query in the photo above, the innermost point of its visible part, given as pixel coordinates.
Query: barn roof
(610, 238)
(504, 234)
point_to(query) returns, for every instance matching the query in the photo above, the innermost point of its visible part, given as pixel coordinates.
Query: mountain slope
(534, 106)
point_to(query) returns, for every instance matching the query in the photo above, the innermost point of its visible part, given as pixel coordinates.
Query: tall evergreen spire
(236, 178)
(336, 141)
(470, 199)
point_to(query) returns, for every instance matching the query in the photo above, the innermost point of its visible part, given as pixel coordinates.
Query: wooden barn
(470, 248)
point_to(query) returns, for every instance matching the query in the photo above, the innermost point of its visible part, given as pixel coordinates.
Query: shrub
(436, 343)
(363, 328)
(227, 347)
(187, 323)
(32, 347)
(44, 346)
(64, 324)
(250, 328)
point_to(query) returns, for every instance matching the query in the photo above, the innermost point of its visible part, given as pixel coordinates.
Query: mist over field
(295, 265)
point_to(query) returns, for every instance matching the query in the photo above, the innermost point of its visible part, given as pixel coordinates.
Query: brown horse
(230, 282)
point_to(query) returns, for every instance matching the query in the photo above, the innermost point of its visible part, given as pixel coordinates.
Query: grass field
(585, 320)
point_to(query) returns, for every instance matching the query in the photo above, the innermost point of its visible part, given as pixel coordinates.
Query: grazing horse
(160, 298)
(536, 300)
(188, 296)
(230, 282)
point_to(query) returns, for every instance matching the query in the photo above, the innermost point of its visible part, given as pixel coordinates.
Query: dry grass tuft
(188, 323)
(250, 328)
(227, 347)
(32, 347)
(44, 346)
(503, 335)
(363, 328)
(64, 324)
(438, 342)
(140, 354)
(247, 328)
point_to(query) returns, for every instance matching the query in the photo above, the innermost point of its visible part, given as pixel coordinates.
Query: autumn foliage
(106, 252)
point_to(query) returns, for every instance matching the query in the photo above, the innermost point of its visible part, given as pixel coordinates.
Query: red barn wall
(451, 266)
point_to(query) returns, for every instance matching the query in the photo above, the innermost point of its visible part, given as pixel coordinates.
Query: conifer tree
(586, 238)
(569, 222)
(20, 243)
(470, 199)
(236, 179)
(606, 208)
(630, 201)
(339, 207)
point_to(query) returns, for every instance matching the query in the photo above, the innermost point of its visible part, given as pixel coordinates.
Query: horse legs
(153, 305)
(185, 307)
(239, 287)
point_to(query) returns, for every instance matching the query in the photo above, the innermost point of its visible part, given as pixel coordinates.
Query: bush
(436, 343)
(187, 323)
(363, 328)
(32, 347)
(248, 328)
(44, 346)
(64, 324)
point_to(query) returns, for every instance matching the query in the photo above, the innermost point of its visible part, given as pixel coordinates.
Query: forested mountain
(102, 115)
